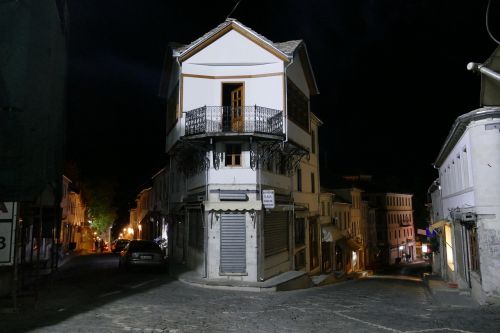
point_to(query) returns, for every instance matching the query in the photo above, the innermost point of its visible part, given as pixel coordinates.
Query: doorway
(233, 107)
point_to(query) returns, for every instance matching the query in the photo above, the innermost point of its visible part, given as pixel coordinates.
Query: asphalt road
(89, 294)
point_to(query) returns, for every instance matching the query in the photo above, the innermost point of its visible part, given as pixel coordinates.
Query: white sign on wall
(7, 232)
(268, 199)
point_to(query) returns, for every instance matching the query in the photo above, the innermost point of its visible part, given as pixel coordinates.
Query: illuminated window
(449, 247)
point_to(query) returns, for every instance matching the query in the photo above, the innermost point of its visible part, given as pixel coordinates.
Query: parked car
(142, 253)
(119, 244)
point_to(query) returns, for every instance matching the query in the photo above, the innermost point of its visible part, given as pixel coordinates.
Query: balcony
(222, 120)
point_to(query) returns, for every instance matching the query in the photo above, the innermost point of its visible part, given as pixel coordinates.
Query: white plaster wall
(460, 197)
(234, 68)
(485, 159)
(200, 92)
(233, 47)
(232, 176)
(261, 91)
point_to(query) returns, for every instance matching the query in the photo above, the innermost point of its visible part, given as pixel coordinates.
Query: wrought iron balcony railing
(227, 119)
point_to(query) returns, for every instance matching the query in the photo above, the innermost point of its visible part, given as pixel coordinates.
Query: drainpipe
(472, 66)
(286, 100)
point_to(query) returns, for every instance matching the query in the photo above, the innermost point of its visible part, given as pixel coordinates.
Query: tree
(99, 198)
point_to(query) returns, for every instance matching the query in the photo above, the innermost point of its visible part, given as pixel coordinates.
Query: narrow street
(90, 294)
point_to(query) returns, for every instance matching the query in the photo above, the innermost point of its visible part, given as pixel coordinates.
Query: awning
(351, 244)
(233, 205)
(438, 224)
(330, 233)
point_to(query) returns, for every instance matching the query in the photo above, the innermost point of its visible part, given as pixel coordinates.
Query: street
(90, 294)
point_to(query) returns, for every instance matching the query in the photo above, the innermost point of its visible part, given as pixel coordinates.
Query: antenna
(234, 8)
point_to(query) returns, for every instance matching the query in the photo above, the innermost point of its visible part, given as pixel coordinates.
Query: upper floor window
(298, 106)
(313, 184)
(299, 180)
(313, 142)
(233, 155)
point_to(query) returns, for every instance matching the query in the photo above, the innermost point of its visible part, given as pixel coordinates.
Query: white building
(466, 204)
(238, 123)
(469, 203)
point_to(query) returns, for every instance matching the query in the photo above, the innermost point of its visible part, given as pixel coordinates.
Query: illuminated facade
(238, 123)
(394, 226)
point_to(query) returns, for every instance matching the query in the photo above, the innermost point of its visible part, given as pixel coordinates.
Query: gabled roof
(186, 51)
(283, 50)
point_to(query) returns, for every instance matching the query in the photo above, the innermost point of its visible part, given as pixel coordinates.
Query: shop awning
(351, 244)
(233, 205)
(330, 233)
(438, 224)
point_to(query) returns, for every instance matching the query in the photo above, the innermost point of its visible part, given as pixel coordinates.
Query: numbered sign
(8, 212)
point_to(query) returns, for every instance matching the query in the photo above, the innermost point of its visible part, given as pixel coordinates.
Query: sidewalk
(448, 294)
(285, 281)
(326, 279)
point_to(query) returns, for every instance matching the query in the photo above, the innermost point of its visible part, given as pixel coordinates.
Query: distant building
(394, 226)
(75, 231)
(350, 248)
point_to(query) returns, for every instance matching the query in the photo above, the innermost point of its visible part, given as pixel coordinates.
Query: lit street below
(90, 294)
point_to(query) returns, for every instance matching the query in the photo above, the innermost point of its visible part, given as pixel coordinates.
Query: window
(298, 106)
(474, 250)
(313, 187)
(313, 142)
(465, 168)
(300, 232)
(313, 243)
(299, 180)
(233, 155)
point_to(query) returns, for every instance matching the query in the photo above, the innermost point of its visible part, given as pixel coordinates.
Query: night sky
(391, 73)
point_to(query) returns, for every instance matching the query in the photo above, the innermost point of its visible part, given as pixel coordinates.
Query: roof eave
(221, 31)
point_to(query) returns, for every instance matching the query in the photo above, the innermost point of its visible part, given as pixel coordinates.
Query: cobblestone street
(152, 302)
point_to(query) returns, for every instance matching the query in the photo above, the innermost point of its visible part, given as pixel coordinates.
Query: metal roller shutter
(275, 233)
(233, 243)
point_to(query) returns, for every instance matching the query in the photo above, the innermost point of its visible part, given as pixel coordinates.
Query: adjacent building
(466, 196)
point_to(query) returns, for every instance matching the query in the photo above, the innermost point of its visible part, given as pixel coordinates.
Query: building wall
(233, 58)
(470, 183)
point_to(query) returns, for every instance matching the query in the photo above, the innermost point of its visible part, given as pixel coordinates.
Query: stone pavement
(447, 294)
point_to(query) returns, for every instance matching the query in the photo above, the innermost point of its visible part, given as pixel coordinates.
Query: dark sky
(391, 73)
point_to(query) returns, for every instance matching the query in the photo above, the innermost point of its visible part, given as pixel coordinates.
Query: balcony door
(233, 102)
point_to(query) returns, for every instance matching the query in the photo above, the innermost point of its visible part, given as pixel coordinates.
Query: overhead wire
(488, 24)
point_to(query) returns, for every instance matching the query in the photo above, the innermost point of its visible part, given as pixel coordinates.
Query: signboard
(421, 232)
(7, 232)
(268, 199)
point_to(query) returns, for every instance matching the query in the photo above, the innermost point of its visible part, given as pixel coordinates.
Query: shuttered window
(275, 233)
(233, 243)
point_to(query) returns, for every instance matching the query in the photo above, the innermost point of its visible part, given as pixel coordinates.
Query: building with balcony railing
(238, 122)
